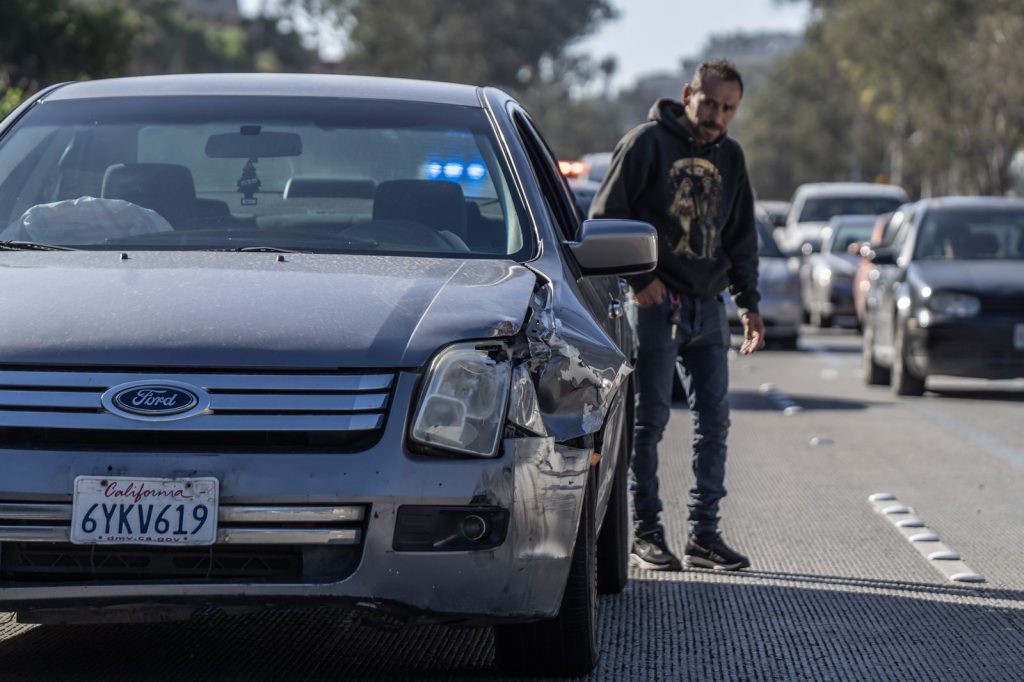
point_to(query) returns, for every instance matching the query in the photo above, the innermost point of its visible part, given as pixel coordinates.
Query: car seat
(437, 204)
(165, 188)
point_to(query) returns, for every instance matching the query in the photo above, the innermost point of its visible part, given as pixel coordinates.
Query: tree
(48, 41)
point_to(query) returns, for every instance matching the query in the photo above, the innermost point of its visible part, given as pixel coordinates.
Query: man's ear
(687, 93)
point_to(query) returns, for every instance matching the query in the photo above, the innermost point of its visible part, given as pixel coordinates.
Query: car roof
(849, 188)
(953, 203)
(273, 84)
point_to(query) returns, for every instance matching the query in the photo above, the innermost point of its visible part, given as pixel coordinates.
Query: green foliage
(9, 100)
(932, 94)
(47, 41)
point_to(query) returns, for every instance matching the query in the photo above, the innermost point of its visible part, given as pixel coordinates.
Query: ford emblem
(155, 400)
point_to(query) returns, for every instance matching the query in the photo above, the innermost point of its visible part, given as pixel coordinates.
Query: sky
(654, 35)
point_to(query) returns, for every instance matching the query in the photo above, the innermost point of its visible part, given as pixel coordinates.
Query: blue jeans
(701, 343)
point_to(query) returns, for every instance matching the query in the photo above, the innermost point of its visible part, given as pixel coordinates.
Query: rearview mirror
(252, 143)
(615, 247)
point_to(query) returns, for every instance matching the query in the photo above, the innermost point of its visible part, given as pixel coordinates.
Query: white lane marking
(921, 538)
(973, 434)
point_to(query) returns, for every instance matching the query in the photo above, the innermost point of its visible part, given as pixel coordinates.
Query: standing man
(681, 173)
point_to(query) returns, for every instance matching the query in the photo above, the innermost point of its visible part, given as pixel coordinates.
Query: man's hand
(753, 333)
(652, 294)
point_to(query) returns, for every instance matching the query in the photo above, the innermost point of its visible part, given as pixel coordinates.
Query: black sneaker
(710, 551)
(651, 552)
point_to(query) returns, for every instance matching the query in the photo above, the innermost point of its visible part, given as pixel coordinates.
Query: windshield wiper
(260, 249)
(32, 246)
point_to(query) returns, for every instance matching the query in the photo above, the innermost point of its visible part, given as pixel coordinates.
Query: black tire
(613, 541)
(874, 373)
(903, 381)
(787, 342)
(565, 645)
(820, 320)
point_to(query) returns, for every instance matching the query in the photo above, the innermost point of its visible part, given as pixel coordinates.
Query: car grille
(1003, 305)
(251, 411)
(26, 563)
(320, 543)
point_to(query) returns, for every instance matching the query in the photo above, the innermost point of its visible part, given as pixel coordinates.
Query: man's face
(711, 108)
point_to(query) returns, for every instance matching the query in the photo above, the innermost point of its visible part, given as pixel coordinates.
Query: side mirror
(883, 256)
(615, 247)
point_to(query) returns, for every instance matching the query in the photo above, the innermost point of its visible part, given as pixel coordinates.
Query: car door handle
(615, 310)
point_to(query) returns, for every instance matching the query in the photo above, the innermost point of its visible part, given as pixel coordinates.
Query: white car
(814, 204)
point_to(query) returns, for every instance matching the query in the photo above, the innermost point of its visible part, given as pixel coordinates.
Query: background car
(814, 204)
(779, 285)
(775, 210)
(317, 341)
(826, 277)
(882, 234)
(585, 186)
(951, 301)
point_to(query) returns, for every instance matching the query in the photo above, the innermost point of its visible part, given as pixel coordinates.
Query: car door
(603, 295)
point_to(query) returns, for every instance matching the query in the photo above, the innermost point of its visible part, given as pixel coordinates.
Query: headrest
(334, 188)
(978, 245)
(163, 187)
(436, 203)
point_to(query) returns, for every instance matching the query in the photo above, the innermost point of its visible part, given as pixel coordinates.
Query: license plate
(1018, 336)
(144, 511)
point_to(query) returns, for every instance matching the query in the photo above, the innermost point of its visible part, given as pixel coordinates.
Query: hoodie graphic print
(696, 187)
(698, 198)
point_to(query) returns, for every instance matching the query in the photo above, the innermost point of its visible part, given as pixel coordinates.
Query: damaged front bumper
(565, 380)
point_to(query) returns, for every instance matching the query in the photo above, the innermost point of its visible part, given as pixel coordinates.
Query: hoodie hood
(250, 310)
(671, 115)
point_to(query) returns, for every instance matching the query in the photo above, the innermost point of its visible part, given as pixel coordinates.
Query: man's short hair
(719, 68)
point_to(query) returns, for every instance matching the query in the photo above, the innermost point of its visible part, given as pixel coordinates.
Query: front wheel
(903, 381)
(565, 645)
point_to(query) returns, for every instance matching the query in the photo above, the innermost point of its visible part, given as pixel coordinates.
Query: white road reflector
(967, 577)
(921, 538)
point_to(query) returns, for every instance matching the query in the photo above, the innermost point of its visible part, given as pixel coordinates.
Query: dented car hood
(203, 309)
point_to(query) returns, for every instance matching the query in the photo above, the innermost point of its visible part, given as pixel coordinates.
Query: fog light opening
(473, 528)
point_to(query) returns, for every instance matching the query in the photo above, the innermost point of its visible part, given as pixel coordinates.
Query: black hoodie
(697, 197)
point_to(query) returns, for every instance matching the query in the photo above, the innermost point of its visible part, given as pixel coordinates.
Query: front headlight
(463, 405)
(953, 304)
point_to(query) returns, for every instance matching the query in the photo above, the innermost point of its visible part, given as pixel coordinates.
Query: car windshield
(976, 234)
(311, 174)
(820, 209)
(844, 235)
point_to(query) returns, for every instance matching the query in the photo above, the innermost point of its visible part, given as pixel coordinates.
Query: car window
(844, 235)
(975, 234)
(820, 209)
(766, 244)
(305, 173)
(557, 195)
